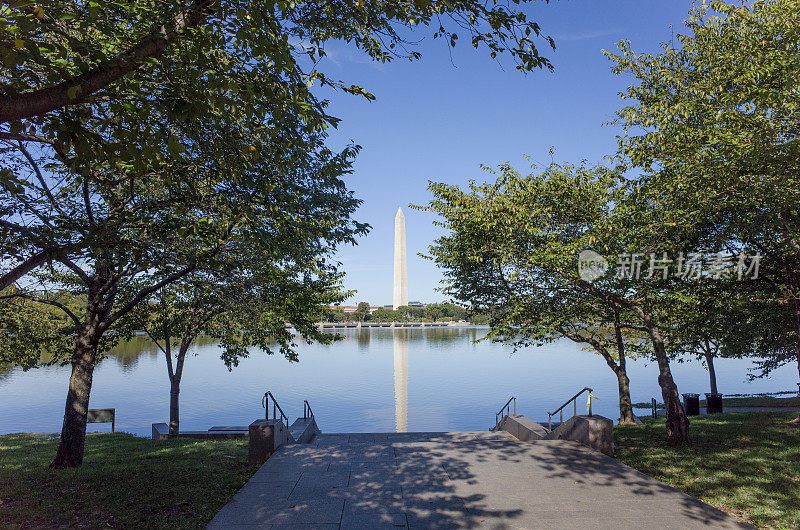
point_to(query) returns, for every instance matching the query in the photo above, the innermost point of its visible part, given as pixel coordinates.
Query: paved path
(457, 480)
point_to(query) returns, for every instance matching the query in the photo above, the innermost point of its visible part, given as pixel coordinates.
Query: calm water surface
(373, 380)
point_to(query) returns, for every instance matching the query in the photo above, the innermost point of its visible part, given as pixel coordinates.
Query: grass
(746, 463)
(747, 401)
(757, 401)
(125, 482)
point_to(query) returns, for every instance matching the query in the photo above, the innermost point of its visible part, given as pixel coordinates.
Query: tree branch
(144, 293)
(76, 90)
(74, 268)
(53, 303)
(39, 176)
(25, 267)
(167, 337)
(166, 281)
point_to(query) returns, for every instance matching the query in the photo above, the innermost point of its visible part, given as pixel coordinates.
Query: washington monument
(400, 279)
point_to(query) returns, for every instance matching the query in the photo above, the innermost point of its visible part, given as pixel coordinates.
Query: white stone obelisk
(400, 280)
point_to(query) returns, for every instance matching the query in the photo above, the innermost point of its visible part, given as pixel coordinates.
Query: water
(372, 380)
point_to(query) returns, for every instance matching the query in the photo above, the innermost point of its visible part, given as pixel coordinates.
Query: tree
(444, 310)
(383, 315)
(243, 302)
(434, 312)
(512, 251)
(453, 311)
(361, 314)
(124, 40)
(406, 312)
(336, 315)
(713, 123)
(34, 334)
(186, 206)
(714, 323)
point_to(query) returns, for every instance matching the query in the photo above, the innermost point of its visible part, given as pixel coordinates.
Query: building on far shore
(352, 308)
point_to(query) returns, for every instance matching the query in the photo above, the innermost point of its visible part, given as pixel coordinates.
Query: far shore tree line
(441, 312)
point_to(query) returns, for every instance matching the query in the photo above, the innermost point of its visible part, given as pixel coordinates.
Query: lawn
(125, 482)
(745, 463)
(745, 401)
(757, 401)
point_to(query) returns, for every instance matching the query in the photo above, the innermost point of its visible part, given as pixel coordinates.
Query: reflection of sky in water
(372, 380)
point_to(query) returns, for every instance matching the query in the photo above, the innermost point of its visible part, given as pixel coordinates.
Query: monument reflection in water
(400, 347)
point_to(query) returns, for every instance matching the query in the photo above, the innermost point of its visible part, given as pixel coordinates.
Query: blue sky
(439, 118)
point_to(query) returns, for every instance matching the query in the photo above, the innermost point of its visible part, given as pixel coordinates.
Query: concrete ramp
(596, 432)
(457, 480)
(303, 430)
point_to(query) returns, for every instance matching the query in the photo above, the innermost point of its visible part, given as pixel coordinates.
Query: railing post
(574, 407)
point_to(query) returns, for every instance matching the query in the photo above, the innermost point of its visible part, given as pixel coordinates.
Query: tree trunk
(625, 407)
(677, 422)
(175, 384)
(174, 413)
(790, 278)
(100, 299)
(73, 431)
(796, 421)
(712, 374)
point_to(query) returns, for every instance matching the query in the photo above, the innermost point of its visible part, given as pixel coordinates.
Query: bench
(161, 432)
(101, 416)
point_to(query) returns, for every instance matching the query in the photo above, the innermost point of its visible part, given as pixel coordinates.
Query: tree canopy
(513, 249)
(713, 122)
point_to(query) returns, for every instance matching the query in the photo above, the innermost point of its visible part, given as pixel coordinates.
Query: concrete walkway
(457, 480)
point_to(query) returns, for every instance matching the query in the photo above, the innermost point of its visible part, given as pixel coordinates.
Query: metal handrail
(307, 412)
(275, 407)
(560, 410)
(499, 416)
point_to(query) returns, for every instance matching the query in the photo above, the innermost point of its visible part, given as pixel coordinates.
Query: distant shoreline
(396, 325)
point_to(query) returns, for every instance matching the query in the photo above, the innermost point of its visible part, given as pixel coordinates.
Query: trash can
(713, 403)
(691, 404)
